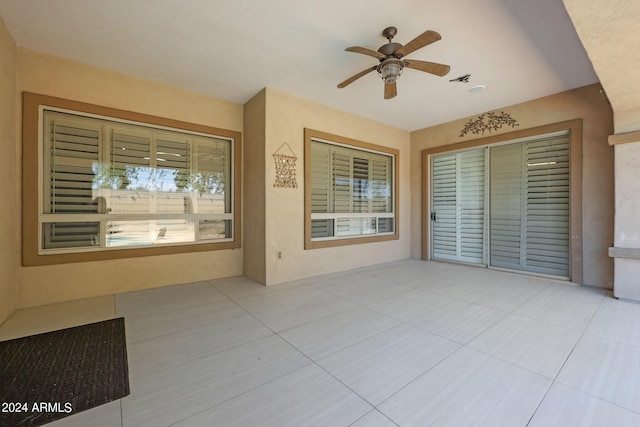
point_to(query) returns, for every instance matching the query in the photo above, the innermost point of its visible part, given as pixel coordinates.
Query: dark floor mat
(50, 376)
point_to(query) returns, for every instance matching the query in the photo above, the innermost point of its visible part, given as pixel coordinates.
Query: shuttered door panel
(458, 204)
(444, 204)
(471, 225)
(507, 213)
(547, 231)
(72, 151)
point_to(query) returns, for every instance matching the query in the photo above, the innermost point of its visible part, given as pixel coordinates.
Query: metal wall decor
(285, 168)
(488, 122)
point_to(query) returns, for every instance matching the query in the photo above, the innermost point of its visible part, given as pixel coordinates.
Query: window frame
(311, 135)
(33, 174)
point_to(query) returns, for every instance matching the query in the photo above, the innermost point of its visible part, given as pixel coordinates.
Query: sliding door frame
(574, 127)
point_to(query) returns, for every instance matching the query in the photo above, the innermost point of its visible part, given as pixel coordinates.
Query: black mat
(50, 376)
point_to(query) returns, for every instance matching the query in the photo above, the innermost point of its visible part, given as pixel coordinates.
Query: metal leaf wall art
(488, 122)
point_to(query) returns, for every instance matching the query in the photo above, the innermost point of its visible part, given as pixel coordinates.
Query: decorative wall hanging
(285, 168)
(493, 122)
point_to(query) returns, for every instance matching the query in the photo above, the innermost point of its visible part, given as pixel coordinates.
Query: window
(351, 191)
(121, 184)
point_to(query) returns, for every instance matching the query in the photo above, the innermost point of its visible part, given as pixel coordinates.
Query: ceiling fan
(392, 62)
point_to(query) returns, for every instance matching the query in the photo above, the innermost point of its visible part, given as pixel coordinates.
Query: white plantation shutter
(507, 209)
(172, 157)
(361, 199)
(212, 169)
(471, 206)
(458, 206)
(380, 182)
(444, 203)
(130, 156)
(349, 181)
(547, 232)
(530, 206)
(72, 154)
(107, 183)
(341, 183)
(320, 189)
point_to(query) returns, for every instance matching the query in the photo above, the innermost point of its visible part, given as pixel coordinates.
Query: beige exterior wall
(9, 209)
(62, 78)
(584, 103)
(254, 220)
(286, 118)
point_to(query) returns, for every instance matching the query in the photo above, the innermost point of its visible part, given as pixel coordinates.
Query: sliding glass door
(504, 206)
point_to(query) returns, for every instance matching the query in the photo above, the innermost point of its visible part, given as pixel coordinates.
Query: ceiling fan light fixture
(390, 69)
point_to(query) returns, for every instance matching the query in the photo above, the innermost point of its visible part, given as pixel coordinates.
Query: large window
(351, 193)
(108, 183)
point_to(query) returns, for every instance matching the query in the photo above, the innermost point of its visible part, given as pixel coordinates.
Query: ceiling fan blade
(390, 90)
(422, 40)
(428, 67)
(365, 51)
(356, 77)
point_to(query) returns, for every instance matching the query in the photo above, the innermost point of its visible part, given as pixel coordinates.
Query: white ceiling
(231, 49)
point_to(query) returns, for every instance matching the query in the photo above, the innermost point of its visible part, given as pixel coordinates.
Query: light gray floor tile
(242, 287)
(294, 307)
(455, 286)
(468, 388)
(606, 369)
(408, 305)
(564, 406)
(174, 394)
(381, 365)
(107, 415)
(162, 352)
(420, 275)
(531, 344)
(564, 305)
(617, 320)
(164, 322)
(307, 397)
(328, 335)
(374, 419)
(459, 321)
(506, 294)
(150, 301)
(364, 290)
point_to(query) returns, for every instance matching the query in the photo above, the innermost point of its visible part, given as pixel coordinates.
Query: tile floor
(410, 343)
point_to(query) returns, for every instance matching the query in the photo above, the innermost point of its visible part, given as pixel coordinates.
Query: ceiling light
(390, 69)
(477, 88)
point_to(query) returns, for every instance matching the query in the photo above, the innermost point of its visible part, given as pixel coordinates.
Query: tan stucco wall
(584, 103)
(254, 188)
(286, 118)
(58, 77)
(9, 222)
(608, 31)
